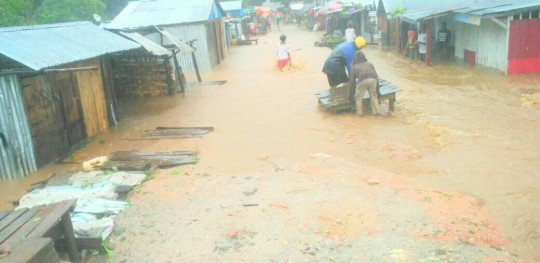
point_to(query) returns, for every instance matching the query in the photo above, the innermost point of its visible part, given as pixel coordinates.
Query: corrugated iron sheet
(185, 33)
(181, 45)
(477, 8)
(148, 13)
(148, 44)
(17, 156)
(43, 46)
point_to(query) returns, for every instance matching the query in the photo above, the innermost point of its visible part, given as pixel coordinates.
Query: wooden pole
(179, 73)
(195, 62)
(170, 84)
(428, 43)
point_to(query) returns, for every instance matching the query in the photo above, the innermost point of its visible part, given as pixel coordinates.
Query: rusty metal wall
(17, 150)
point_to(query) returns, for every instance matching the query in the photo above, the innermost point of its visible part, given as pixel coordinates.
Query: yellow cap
(360, 42)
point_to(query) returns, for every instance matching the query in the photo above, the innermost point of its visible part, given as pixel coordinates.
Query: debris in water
(373, 181)
(321, 155)
(144, 160)
(284, 206)
(175, 132)
(248, 193)
(216, 82)
(89, 165)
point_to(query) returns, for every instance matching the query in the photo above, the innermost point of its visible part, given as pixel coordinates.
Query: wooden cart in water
(337, 100)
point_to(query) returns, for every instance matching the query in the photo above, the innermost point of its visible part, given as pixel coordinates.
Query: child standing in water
(283, 53)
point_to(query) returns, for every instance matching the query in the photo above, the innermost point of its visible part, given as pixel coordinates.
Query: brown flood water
(474, 131)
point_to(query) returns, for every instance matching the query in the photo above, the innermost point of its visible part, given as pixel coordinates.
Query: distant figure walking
(350, 35)
(422, 40)
(363, 77)
(443, 41)
(412, 36)
(283, 53)
(278, 19)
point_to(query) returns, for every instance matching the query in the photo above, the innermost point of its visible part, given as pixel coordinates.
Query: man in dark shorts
(340, 60)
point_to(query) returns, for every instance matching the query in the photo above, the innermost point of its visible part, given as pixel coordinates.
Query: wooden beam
(70, 69)
(12, 72)
(498, 22)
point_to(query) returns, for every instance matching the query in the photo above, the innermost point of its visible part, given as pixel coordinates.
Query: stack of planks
(337, 100)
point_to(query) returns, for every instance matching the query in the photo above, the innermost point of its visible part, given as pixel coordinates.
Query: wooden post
(428, 43)
(72, 249)
(179, 73)
(166, 64)
(195, 62)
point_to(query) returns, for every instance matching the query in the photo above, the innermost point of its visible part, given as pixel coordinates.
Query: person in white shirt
(350, 35)
(283, 53)
(422, 42)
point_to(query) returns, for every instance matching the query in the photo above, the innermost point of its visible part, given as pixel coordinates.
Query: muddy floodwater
(452, 174)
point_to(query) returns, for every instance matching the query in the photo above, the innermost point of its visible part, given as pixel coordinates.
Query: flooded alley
(450, 176)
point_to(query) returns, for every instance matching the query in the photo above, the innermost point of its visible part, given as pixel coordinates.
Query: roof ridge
(43, 26)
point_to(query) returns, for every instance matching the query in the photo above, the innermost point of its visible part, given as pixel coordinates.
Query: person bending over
(363, 77)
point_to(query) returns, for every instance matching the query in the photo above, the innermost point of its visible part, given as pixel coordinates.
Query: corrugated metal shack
(54, 91)
(233, 8)
(187, 20)
(502, 34)
(390, 25)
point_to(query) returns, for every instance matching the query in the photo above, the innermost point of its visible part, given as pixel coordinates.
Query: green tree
(56, 11)
(15, 12)
(114, 7)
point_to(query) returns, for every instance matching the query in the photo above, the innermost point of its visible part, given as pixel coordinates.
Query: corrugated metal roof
(477, 7)
(148, 44)
(148, 13)
(506, 6)
(43, 46)
(231, 5)
(391, 5)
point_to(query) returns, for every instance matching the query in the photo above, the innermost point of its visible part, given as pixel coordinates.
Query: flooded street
(452, 175)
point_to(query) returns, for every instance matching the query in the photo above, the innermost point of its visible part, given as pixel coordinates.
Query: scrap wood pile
(337, 100)
(100, 193)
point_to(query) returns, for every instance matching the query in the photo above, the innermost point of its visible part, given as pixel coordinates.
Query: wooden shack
(58, 72)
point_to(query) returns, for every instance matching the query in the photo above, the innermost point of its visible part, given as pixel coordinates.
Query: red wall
(524, 46)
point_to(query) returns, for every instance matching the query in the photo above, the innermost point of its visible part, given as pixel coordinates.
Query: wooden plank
(50, 219)
(209, 128)
(16, 224)
(4, 214)
(28, 227)
(72, 249)
(92, 99)
(82, 243)
(71, 69)
(11, 217)
(37, 250)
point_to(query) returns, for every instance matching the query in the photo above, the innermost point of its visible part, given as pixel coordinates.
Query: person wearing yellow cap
(338, 65)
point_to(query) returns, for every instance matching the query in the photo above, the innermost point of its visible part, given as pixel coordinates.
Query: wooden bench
(337, 100)
(52, 221)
